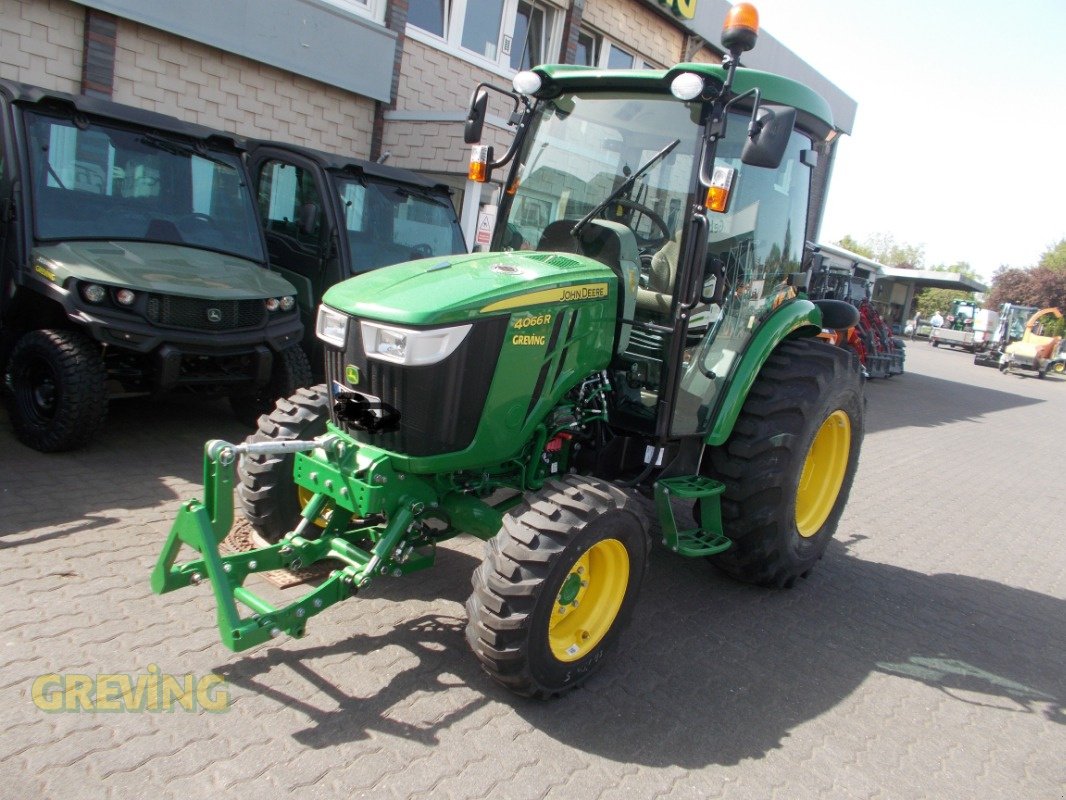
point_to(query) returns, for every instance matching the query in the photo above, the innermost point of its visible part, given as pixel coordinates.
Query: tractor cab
(695, 197)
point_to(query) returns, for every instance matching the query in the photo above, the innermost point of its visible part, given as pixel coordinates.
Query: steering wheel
(636, 211)
(421, 251)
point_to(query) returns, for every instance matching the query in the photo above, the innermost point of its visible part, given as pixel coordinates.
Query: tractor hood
(160, 268)
(444, 290)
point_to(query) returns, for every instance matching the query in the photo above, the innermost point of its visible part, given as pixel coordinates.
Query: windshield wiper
(624, 186)
(181, 149)
(422, 194)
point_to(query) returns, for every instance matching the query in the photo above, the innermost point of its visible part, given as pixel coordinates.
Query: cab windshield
(388, 223)
(95, 181)
(583, 147)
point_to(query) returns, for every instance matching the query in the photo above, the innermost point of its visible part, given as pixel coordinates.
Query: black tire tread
(83, 405)
(509, 583)
(265, 490)
(794, 379)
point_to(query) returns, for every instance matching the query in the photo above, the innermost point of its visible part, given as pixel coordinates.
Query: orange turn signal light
(479, 163)
(718, 192)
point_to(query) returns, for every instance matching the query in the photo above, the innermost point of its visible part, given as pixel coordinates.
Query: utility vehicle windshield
(388, 223)
(581, 148)
(100, 182)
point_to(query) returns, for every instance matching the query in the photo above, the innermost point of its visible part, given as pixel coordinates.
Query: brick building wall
(434, 83)
(41, 43)
(185, 79)
(636, 27)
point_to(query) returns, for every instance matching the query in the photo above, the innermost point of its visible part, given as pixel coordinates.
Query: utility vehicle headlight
(287, 302)
(272, 304)
(331, 326)
(125, 296)
(93, 292)
(410, 347)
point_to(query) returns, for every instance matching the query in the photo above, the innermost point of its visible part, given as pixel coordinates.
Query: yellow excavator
(1034, 352)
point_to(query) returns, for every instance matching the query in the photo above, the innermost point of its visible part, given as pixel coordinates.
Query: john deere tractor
(646, 333)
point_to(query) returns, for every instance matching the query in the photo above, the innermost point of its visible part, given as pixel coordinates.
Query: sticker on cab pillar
(562, 294)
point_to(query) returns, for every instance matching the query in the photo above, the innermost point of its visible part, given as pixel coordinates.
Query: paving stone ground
(924, 657)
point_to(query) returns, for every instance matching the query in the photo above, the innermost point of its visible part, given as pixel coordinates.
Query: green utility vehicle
(131, 262)
(654, 339)
(328, 217)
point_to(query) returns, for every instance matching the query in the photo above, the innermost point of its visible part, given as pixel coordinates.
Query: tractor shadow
(144, 446)
(709, 672)
(917, 400)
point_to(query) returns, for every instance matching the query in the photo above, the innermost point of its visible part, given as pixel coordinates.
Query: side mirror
(475, 117)
(771, 127)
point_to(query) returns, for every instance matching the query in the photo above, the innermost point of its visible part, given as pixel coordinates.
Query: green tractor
(647, 335)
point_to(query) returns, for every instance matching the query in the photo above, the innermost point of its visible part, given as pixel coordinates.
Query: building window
(511, 34)
(594, 50)
(588, 49)
(374, 9)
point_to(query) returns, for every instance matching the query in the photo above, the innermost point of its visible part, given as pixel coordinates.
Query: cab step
(707, 539)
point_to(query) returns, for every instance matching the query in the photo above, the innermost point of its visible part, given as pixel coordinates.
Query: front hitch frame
(203, 525)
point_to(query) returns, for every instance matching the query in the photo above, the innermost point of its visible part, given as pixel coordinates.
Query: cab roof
(815, 114)
(26, 95)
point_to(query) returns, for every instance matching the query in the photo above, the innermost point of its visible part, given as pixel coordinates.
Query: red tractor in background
(881, 353)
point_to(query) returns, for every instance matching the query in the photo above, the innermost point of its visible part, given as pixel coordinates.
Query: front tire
(58, 390)
(266, 493)
(290, 371)
(557, 586)
(790, 462)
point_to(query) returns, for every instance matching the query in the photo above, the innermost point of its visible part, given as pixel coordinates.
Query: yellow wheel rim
(304, 496)
(823, 473)
(588, 601)
(1058, 367)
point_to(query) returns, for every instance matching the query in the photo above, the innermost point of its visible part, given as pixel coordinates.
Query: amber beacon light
(741, 28)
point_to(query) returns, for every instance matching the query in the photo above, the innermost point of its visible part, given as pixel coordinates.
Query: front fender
(790, 321)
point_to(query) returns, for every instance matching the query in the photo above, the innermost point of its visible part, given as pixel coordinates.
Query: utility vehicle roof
(814, 112)
(27, 95)
(352, 165)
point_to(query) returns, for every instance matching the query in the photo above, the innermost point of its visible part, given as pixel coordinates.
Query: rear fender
(799, 318)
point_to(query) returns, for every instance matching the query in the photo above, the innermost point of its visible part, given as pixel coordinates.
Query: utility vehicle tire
(790, 462)
(1059, 367)
(58, 397)
(290, 371)
(266, 493)
(557, 586)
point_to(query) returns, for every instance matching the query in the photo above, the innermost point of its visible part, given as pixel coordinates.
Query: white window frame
(371, 9)
(451, 42)
(603, 46)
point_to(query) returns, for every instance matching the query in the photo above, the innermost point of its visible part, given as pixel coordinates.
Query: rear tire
(58, 383)
(290, 371)
(790, 462)
(266, 493)
(557, 586)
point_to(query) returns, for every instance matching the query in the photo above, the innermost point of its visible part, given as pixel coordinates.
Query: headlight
(331, 326)
(125, 297)
(287, 302)
(410, 347)
(93, 292)
(687, 86)
(527, 83)
(272, 304)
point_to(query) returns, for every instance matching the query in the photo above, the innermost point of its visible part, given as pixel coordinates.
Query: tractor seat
(597, 241)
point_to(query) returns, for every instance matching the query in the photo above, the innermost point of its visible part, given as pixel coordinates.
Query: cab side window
(289, 204)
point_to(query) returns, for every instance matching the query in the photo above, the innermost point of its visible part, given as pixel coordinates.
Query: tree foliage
(883, 248)
(1054, 258)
